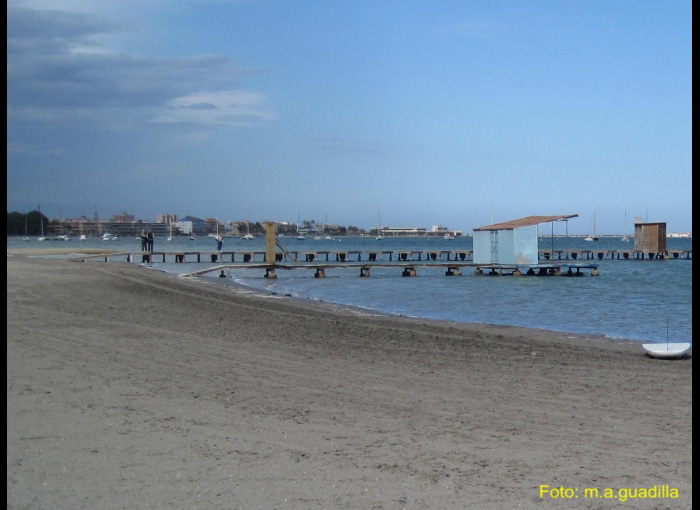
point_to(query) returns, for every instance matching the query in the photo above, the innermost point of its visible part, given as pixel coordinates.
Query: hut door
(494, 247)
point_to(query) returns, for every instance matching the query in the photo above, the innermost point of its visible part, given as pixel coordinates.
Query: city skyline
(162, 219)
(460, 114)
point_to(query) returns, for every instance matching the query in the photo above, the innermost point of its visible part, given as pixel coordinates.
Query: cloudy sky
(422, 112)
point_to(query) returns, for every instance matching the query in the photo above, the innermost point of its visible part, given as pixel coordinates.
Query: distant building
(192, 225)
(213, 225)
(233, 228)
(83, 226)
(184, 226)
(439, 230)
(404, 231)
(134, 228)
(123, 218)
(166, 218)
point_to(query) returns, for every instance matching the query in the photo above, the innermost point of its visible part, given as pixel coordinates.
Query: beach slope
(131, 388)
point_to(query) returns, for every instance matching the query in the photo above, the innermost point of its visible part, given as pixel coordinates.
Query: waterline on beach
(555, 304)
(631, 299)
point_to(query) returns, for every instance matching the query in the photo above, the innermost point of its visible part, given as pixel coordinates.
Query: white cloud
(217, 109)
(59, 70)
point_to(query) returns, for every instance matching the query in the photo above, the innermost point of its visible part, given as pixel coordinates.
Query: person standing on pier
(219, 242)
(144, 241)
(150, 241)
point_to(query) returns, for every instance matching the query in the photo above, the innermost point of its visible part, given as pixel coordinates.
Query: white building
(185, 227)
(404, 231)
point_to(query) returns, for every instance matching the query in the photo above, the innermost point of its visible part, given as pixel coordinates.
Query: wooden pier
(348, 256)
(614, 254)
(408, 268)
(408, 262)
(550, 263)
(275, 257)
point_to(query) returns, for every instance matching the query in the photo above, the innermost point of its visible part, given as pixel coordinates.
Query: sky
(408, 113)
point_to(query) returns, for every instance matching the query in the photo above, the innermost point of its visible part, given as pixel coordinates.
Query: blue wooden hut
(514, 242)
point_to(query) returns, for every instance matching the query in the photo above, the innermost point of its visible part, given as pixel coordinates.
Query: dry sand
(130, 388)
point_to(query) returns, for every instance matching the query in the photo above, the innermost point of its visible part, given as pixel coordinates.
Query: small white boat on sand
(664, 350)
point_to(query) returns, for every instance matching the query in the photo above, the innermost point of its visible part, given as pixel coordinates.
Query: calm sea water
(631, 299)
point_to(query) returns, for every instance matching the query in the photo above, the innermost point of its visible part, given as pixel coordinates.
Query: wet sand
(131, 388)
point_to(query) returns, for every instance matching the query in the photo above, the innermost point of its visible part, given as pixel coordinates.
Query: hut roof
(526, 222)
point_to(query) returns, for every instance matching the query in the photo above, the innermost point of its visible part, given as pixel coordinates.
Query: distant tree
(17, 221)
(257, 228)
(286, 228)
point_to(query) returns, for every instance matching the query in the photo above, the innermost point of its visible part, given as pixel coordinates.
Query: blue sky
(425, 113)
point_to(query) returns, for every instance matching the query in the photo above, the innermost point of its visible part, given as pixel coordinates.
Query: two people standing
(146, 241)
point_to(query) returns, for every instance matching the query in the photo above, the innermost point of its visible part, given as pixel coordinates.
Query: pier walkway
(602, 254)
(410, 268)
(407, 261)
(347, 256)
(550, 263)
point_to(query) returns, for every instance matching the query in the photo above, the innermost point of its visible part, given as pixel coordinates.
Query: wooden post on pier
(270, 241)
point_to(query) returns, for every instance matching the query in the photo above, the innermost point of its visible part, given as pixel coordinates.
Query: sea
(639, 300)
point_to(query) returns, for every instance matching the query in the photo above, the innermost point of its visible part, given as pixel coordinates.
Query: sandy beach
(128, 388)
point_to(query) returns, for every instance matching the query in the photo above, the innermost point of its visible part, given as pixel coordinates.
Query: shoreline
(128, 387)
(360, 311)
(339, 307)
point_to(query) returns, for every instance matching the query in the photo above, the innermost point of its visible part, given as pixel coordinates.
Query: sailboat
(592, 237)
(41, 222)
(327, 237)
(300, 237)
(379, 228)
(248, 236)
(624, 236)
(170, 237)
(25, 231)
